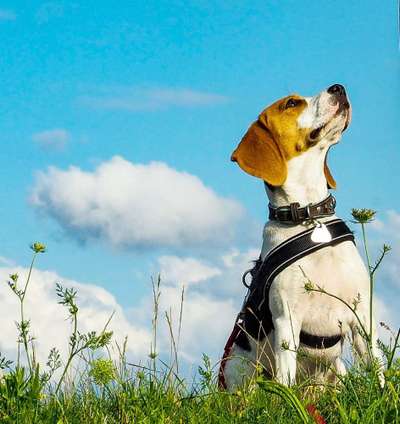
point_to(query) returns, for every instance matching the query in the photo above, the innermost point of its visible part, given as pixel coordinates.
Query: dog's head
(290, 127)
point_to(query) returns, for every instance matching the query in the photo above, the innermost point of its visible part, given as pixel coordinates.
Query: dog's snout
(337, 90)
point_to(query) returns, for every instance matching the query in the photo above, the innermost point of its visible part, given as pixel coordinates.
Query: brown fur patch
(274, 139)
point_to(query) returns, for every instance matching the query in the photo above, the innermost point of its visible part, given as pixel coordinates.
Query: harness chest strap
(292, 250)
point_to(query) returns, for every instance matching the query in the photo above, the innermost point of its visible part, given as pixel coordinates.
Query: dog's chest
(338, 270)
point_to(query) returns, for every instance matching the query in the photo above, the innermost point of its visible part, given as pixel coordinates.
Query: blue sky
(178, 83)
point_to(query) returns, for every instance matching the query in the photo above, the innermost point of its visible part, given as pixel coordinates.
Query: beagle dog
(287, 148)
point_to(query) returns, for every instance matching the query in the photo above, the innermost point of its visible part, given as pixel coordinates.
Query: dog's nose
(337, 89)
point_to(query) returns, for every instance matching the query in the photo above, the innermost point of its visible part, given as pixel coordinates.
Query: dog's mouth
(314, 134)
(344, 110)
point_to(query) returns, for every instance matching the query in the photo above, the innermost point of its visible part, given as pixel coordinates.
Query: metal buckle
(294, 209)
(309, 214)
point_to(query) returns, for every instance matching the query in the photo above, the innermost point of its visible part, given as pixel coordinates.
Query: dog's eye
(291, 103)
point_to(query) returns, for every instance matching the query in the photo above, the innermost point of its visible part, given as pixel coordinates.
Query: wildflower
(14, 277)
(356, 302)
(285, 345)
(308, 287)
(385, 326)
(363, 216)
(38, 247)
(259, 368)
(153, 355)
(102, 371)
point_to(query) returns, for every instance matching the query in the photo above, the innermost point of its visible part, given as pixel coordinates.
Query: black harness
(255, 318)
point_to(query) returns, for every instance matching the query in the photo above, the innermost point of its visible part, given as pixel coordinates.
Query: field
(115, 391)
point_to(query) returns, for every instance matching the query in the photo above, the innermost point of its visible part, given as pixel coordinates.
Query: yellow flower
(363, 216)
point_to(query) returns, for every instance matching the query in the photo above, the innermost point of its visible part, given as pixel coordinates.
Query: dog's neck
(305, 183)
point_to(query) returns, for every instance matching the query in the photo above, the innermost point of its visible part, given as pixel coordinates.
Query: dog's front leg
(286, 341)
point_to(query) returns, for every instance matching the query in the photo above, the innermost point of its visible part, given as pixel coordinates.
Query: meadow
(105, 390)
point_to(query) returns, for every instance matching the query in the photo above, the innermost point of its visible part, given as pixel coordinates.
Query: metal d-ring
(244, 278)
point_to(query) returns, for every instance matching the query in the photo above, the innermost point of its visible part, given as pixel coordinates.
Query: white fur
(339, 270)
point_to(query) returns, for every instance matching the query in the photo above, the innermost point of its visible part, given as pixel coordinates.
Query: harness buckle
(294, 210)
(310, 216)
(309, 213)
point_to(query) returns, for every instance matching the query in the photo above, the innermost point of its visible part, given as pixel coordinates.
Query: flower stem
(371, 279)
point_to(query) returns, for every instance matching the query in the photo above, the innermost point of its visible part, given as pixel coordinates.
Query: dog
(287, 148)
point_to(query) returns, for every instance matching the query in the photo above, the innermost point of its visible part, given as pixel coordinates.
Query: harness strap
(293, 249)
(227, 351)
(319, 342)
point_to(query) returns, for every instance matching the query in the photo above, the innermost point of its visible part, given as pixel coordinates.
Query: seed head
(285, 345)
(38, 247)
(14, 277)
(102, 371)
(308, 287)
(363, 216)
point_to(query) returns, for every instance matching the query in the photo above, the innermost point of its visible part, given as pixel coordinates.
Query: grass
(107, 391)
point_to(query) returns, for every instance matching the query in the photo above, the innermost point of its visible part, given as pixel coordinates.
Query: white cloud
(184, 271)
(207, 317)
(55, 138)
(7, 15)
(384, 313)
(48, 319)
(134, 99)
(206, 322)
(135, 205)
(210, 306)
(212, 298)
(6, 262)
(388, 231)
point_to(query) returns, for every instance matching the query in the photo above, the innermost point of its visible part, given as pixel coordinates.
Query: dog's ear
(259, 155)
(329, 179)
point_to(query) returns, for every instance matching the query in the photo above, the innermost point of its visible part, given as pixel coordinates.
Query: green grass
(106, 391)
(137, 396)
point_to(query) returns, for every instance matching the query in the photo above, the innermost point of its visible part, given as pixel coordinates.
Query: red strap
(312, 410)
(225, 356)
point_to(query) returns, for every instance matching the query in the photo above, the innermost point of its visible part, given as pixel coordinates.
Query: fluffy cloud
(386, 315)
(48, 319)
(134, 99)
(206, 322)
(387, 230)
(213, 294)
(207, 316)
(55, 139)
(135, 205)
(185, 270)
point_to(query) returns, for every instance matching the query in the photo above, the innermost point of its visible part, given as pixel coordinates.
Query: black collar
(294, 214)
